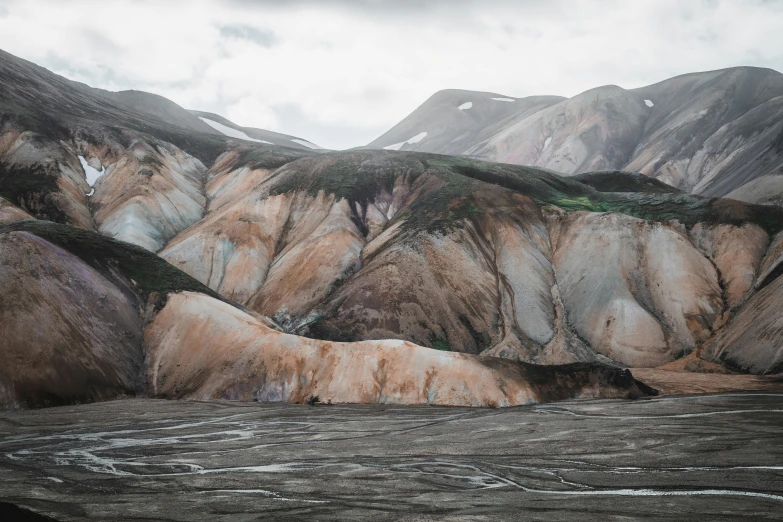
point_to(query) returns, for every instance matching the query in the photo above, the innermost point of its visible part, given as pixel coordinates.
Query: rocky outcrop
(67, 333)
(736, 252)
(43, 177)
(150, 156)
(10, 213)
(203, 349)
(149, 193)
(750, 342)
(146, 192)
(78, 326)
(426, 250)
(645, 296)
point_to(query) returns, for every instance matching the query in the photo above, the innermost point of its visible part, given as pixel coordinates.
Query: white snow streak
(229, 131)
(504, 99)
(90, 173)
(465, 106)
(417, 138)
(547, 142)
(648, 103)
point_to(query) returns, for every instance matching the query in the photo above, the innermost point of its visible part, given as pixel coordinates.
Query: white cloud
(352, 69)
(250, 111)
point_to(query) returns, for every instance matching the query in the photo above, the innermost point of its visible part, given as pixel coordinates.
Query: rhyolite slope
(477, 257)
(84, 317)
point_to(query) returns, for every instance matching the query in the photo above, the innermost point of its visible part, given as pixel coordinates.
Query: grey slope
(39, 100)
(275, 138)
(160, 107)
(708, 133)
(451, 130)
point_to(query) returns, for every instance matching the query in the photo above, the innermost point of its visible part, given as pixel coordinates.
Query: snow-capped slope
(412, 141)
(454, 120)
(708, 133)
(229, 128)
(229, 131)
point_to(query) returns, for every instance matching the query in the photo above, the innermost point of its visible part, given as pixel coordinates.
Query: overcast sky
(340, 73)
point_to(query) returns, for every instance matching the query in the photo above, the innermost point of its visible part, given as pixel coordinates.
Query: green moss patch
(619, 181)
(360, 176)
(31, 188)
(149, 272)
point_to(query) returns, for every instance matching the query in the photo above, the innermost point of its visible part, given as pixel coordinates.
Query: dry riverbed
(716, 457)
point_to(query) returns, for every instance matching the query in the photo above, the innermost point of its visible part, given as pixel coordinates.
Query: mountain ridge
(388, 275)
(709, 133)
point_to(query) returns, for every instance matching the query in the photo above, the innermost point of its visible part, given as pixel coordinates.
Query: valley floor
(714, 457)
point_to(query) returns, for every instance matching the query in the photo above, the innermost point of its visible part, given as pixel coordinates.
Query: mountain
(717, 133)
(146, 252)
(86, 318)
(470, 256)
(147, 156)
(228, 128)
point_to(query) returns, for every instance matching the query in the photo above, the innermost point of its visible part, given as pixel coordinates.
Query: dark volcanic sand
(714, 457)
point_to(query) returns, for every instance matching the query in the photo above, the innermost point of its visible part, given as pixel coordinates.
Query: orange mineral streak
(10, 213)
(202, 348)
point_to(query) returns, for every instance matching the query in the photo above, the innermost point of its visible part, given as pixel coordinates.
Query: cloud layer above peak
(340, 73)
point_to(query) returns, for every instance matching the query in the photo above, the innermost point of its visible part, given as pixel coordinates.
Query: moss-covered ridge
(359, 176)
(149, 272)
(619, 181)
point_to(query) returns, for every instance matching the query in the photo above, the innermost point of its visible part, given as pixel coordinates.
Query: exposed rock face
(767, 190)
(376, 256)
(42, 177)
(595, 130)
(440, 259)
(737, 253)
(204, 349)
(153, 156)
(10, 213)
(751, 340)
(645, 296)
(713, 133)
(67, 333)
(78, 329)
(148, 194)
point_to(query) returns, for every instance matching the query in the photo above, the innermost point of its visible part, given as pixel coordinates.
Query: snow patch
(504, 99)
(231, 132)
(306, 143)
(547, 142)
(465, 106)
(90, 173)
(417, 138)
(649, 103)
